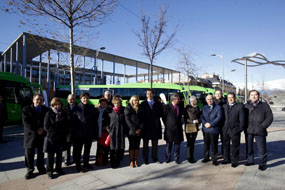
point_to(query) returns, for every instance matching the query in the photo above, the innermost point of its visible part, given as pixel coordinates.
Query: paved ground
(152, 176)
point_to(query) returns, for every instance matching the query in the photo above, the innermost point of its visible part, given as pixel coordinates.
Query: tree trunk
(71, 57)
(151, 74)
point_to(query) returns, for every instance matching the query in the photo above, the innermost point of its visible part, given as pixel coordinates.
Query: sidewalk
(152, 176)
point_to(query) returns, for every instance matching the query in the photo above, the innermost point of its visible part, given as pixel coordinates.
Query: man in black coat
(84, 130)
(151, 130)
(219, 100)
(70, 110)
(173, 128)
(33, 119)
(3, 119)
(258, 118)
(234, 125)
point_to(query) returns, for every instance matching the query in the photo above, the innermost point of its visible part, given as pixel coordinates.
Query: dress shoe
(156, 161)
(146, 162)
(225, 162)
(215, 163)
(177, 162)
(42, 171)
(29, 175)
(88, 166)
(262, 168)
(168, 161)
(68, 163)
(79, 169)
(234, 165)
(248, 164)
(205, 160)
(59, 172)
(50, 175)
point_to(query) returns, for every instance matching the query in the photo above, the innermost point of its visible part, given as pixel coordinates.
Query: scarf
(254, 104)
(116, 110)
(58, 114)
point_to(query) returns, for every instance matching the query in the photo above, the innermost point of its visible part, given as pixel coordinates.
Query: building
(218, 82)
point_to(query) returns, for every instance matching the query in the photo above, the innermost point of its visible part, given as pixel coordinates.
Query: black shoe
(225, 162)
(68, 163)
(156, 161)
(59, 172)
(205, 160)
(168, 161)
(215, 163)
(146, 162)
(29, 175)
(42, 171)
(50, 175)
(177, 162)
(248, 164)
(234, 165)
(79, 169)
(262, 168)
(88, 166)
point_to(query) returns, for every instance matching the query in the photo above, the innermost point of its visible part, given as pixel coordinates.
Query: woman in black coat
(192, 117)
(117, 129)
(134, 123)
(55, 125)
(173, 127)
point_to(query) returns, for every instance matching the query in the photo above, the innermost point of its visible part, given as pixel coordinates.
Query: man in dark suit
(234, 125)
(70, 110)
(173, 128)
(33, 119)
(211, 117)
(151, 130)
(219, 100)
(84, 130)
(258, 118)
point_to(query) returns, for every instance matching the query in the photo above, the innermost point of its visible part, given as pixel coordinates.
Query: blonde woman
(134, 123)
(55, 125)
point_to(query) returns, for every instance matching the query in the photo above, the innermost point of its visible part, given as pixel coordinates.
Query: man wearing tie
(151, 130)
(173, 128)
(234, 125)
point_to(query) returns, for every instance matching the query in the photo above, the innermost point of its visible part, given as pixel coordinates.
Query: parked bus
(125, 91)
(17, 92)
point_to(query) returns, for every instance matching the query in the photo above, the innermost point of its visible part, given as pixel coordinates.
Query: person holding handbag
(134, 123)
(192, 121)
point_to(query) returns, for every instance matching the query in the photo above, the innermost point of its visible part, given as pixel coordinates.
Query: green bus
(16, 92)
(125, 91)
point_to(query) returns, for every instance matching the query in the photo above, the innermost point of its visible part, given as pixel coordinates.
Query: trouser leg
(214, 138)
(50, 162)
(227, 144)
(86, 154)
(235, 148)
(154, 144)
(246, 144)
(168, 150)
(176, 151)
(145, 149)
(250, 156)
(40, 159)
(67, 153)
(206, 145)
(222, 142)
(58, 161)
(262, 150)
(29, 159)
(77, 149)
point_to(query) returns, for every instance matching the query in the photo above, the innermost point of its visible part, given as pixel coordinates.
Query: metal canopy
(36, 45)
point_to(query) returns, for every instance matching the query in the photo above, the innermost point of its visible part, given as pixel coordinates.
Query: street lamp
(95, 63)
(222, 57)
(233, 70)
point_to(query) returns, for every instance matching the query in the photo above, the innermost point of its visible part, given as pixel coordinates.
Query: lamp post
(233, 70)
(222, 57)
(95, 63)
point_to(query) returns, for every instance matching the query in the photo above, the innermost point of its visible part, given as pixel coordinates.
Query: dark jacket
(85, 125)
(221, 103)
(234, 119)
(105, 118)
(173, 124)
(55, 140)
(70, 116)
(133, 119)
(3, 114)
(213, 117)
(151, 120)
(258, 118)
(32, 123)
(117, 129)
(192, 113)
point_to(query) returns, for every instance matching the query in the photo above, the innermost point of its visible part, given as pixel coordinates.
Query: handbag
(103, 139)
(190, 128)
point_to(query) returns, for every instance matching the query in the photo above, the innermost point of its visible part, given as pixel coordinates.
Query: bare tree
(186, 64)
(152, 38)
(69, 13)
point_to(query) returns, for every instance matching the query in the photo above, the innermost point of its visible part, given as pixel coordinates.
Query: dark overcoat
(117, 129)
(70, 116)
(32, 123)
(221, 103)
(133, 120)
(192, 113)
(234, 119)
(258, 118)
(55, 140)
(212, 116)
(173, 124)
(85, 124)
(151, 120)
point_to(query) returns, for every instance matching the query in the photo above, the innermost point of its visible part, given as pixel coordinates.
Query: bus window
(95, 93)
(62, 92)
(10, 95)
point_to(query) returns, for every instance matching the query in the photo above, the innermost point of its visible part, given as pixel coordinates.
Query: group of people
(54, 130)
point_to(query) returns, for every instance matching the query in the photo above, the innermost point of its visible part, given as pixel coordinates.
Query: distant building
(217, 82)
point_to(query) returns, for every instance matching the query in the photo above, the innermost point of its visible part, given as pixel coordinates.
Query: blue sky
(234, 27)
